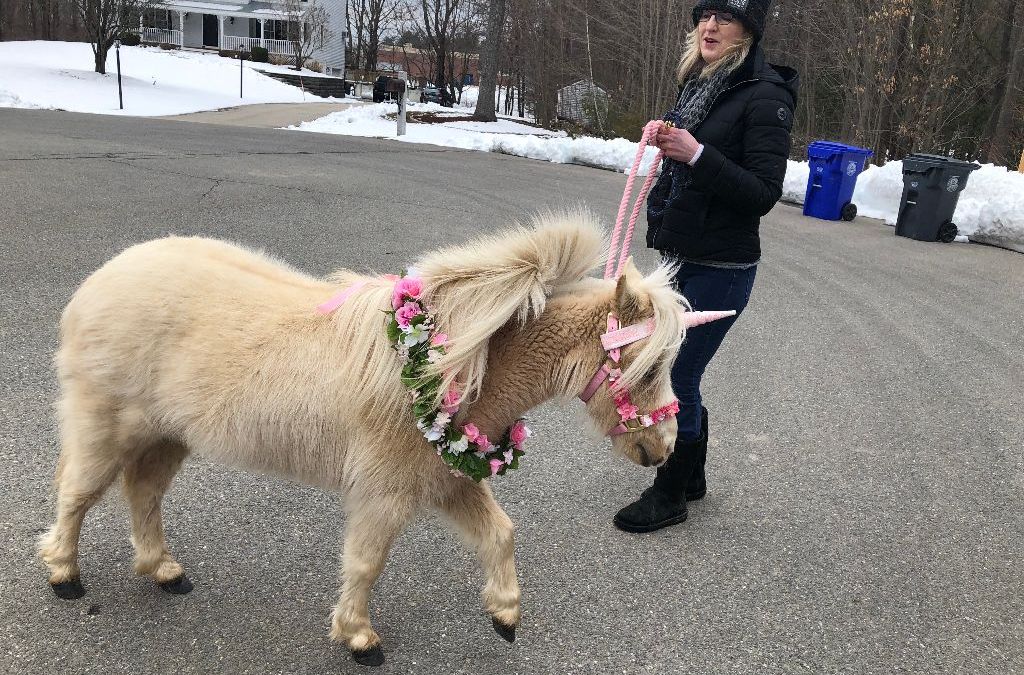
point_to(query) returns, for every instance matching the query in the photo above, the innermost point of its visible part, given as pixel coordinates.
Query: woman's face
(717, 32)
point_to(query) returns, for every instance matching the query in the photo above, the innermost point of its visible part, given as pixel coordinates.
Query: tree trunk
(489, 62)
(100, 52)
(1002, 139)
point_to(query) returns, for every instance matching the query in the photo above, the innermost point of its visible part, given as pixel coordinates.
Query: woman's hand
(677, 144)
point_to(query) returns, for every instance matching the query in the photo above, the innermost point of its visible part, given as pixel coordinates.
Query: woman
(726, 143)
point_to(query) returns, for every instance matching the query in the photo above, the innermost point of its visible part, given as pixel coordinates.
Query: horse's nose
(646, 458)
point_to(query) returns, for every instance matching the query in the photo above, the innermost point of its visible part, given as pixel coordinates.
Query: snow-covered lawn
(59, 75)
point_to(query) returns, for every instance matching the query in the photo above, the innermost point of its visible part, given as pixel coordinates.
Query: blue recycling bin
(834, 171)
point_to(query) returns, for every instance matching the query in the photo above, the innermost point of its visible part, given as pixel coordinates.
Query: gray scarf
(691, 108)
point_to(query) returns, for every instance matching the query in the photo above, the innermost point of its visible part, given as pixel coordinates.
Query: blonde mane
(475, 289)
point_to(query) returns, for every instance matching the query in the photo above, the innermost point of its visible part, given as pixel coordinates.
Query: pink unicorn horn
(691, 319)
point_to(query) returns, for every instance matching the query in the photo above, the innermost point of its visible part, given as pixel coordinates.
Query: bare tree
(308, 28)
(107, 20)
(490, 54)
(381, 16)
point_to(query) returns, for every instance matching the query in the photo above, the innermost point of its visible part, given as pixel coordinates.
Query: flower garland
(468, 452)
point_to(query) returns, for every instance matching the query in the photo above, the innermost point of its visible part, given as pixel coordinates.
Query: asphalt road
(864, 512)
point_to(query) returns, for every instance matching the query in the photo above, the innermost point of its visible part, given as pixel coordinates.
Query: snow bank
(59, 75)
(991, 207)
(506, 135)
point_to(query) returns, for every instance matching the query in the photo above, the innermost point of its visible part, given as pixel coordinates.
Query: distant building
(578, 102)
(420, 64)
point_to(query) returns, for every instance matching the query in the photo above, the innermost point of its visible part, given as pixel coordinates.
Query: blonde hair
(693, 62)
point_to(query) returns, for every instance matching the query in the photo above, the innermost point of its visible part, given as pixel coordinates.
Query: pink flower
(627, 410)
(451, 402)
(519, 433)
(405, 314)
(483, 443)
(496, 465)
(472, 433)
(410, 287)
(438, 339)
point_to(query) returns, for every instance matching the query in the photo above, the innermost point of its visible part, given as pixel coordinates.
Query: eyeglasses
(721, 18)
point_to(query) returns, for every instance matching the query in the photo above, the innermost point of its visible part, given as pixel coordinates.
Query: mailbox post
(403, 86)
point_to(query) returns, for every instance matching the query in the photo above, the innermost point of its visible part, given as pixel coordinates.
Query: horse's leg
(373, 524)
(90, 460)
(472, 509)
(146, 478)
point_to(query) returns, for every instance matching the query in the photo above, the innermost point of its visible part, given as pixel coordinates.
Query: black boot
(679, 479)
(696, 485)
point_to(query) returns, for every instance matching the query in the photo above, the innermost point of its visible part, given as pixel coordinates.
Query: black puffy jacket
(738, 177)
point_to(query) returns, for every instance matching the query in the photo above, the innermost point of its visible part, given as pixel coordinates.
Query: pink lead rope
(611, 270)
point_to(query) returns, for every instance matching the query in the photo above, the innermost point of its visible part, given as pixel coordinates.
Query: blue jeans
(707, 288)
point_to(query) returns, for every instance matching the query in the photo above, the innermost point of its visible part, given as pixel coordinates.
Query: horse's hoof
(507, 632)
(374, 656)
(179, 586)
(71, 589)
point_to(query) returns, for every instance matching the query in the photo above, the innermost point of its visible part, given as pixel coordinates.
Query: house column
(263, 32)
(220, 31)
(181, 29)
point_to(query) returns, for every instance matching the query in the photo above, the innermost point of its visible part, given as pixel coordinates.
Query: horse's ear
(631, 302)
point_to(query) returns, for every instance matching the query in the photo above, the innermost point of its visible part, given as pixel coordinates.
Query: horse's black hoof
(507, 632)
(179, 586)
(374, 656)
(71, 589)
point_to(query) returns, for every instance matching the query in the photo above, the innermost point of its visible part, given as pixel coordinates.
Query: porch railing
(160, 35)
(283, 47)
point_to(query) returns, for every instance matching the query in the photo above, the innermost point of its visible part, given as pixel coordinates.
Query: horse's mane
(476, 288)
(472, 290)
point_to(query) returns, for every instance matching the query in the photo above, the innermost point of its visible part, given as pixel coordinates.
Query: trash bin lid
(826, 149)
(939, 160)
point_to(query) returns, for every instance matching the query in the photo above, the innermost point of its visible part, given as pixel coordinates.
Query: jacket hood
(756, 67)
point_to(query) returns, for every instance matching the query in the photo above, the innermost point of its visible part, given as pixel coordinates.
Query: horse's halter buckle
(630, 419)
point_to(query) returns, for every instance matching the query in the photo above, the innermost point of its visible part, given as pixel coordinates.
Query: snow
(990, 208)
(506, 136)
(59, 75)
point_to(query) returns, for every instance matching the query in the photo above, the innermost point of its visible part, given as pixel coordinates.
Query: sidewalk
(265, 115)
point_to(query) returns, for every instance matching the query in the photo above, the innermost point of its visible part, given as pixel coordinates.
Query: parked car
(430, 94)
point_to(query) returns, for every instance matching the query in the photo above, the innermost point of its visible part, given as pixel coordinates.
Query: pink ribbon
(339, 299)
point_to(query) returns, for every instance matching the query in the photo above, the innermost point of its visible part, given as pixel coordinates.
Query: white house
(226, 24)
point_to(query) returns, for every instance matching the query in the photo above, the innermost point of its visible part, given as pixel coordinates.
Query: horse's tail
(477, 288)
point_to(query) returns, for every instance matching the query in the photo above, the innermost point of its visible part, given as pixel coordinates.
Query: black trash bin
(931, 189)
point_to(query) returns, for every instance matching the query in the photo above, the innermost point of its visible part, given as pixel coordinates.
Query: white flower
(433, 434)
(421, 425)
(508, 456)
(403, 353)
(415, 335)
(442, 420)
(459, 446)
(480, 454)
(646, 421)
(433, 355)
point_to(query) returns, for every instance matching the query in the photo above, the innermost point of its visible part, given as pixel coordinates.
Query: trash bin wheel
(948, 232)
(849, 211)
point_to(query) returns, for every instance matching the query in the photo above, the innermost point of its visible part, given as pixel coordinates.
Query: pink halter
(630, 419)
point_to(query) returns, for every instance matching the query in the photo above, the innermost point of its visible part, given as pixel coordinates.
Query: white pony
(190, 345)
